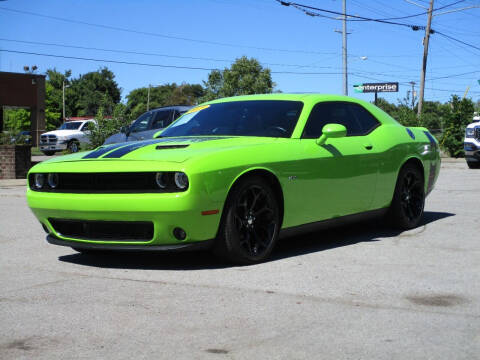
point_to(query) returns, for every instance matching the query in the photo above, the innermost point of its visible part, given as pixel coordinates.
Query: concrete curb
(13, 182)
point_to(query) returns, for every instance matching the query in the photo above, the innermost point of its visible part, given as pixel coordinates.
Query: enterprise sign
(376, 87)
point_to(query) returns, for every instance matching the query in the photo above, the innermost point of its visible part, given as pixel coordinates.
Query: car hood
(62, 132)
(174, 149)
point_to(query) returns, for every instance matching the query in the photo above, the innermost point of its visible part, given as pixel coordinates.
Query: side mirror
(331, 131)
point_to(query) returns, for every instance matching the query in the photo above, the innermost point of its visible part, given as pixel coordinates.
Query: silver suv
(148, 124)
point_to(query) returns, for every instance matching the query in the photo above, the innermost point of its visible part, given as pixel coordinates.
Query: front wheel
(48, 153)
(406, 210)
(250, 223)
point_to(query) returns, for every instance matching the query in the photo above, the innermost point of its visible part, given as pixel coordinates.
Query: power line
(116, 28)
(414, 15)
(454, 75)
(154, 65)
(153, 54)
(457, 40)
(302, 7)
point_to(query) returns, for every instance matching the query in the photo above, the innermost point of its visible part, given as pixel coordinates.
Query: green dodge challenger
(235, 175)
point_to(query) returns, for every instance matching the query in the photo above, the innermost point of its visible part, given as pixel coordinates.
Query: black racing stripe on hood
(103, 150)
(129, 148)
(137, 145)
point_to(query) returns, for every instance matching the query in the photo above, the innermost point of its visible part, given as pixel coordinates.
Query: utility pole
(344, 48)
(63, 91)
(148, 97)
(425, 55)
(413, 93)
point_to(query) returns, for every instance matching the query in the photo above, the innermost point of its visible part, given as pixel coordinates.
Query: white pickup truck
(471, 144)
(68, 136)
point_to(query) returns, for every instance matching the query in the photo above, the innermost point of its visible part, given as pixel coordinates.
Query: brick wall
(15, 161)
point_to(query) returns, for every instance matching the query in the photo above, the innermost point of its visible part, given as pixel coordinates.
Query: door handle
(368, 146)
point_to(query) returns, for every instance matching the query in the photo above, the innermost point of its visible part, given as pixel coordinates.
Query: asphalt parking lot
(362, 292)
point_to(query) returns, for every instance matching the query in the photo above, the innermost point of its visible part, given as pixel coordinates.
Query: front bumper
(472, 152)
(202, 245)
(55, 147)
(166, 211)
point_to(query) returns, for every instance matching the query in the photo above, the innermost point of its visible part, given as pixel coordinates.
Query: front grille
(48, 139)
(104, 230)
(108, 183)
(476, 133)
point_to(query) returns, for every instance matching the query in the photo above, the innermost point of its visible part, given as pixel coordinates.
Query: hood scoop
(165, 147)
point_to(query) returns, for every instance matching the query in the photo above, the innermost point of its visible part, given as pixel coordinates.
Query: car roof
(305, 97)
(173, 107)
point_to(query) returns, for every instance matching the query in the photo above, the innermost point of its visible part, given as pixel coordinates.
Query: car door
(341, 174)
(85, 131)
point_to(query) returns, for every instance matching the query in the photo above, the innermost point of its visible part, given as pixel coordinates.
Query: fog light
(161, 180)
(181, 180)
(52, 180)
(39, 180)
(179, 233)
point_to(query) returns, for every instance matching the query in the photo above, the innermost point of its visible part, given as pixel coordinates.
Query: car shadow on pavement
(366, 231)
(332, 238)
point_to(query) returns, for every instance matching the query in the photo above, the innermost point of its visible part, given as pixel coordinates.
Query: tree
(456, 121)
(16, 120)
(54, 94)
(163, 95)
(92, 90)
(245, 77)
(107, 127)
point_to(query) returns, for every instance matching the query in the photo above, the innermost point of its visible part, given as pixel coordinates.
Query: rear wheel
(250, 223)
(406, 210)
(473, 164)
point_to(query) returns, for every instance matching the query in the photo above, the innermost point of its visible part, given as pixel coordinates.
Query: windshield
(74, 125)
(268, 118)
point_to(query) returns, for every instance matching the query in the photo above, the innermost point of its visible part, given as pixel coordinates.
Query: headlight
(161, 179)
(39, 180)
(469, 132)
(52, 180)
(181, 180)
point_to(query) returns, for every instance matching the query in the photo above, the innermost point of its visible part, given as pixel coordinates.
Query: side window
(88, 126)
(337, 112)
(177, 114)
(162, 119)
(141, 124)
(366, 120)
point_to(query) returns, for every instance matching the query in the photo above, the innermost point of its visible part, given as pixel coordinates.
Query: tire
(473, 164)
(406, 209)
(48, 153)
(73, 146)
(250, 223)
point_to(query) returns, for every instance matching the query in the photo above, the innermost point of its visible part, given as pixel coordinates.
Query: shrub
(455, 123)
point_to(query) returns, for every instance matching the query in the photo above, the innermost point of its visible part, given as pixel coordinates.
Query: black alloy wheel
(251, 223)
(406, 210)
